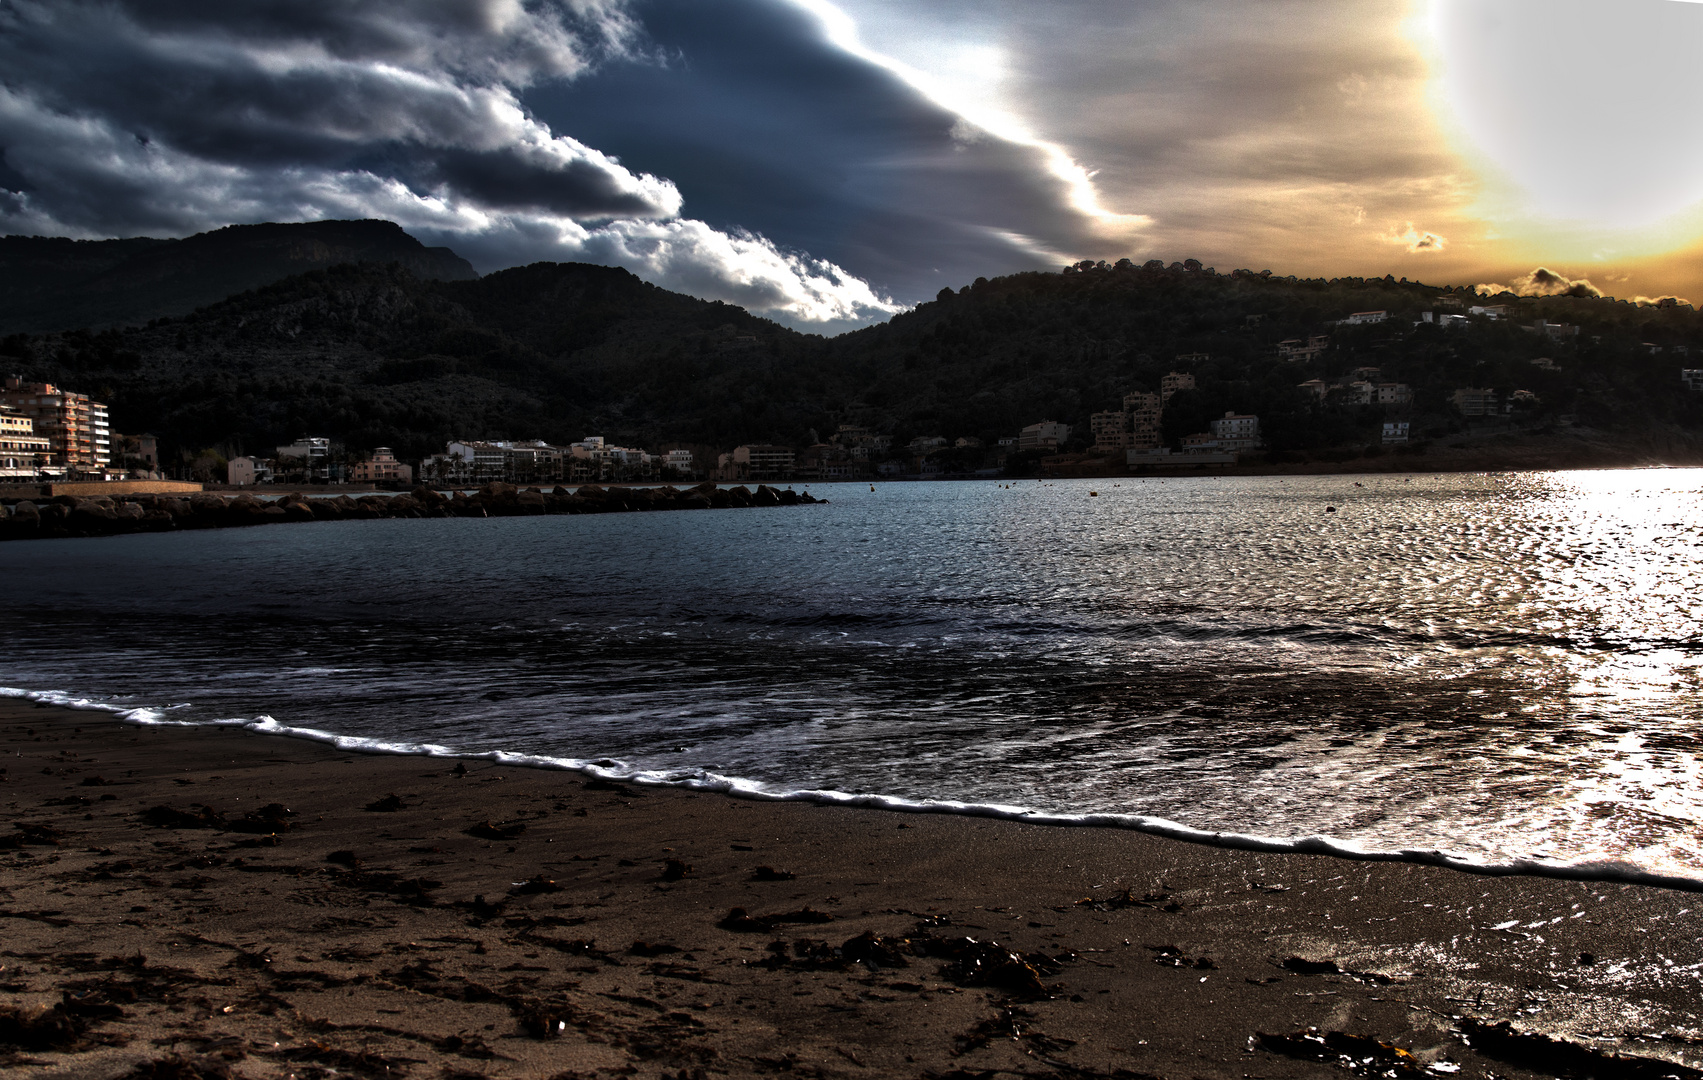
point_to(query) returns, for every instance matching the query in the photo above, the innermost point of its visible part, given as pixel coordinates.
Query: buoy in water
(1330, 509)
(1091, 494)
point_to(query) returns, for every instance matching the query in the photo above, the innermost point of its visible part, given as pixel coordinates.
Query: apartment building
(1046, 435)
(1177, 380)
(24, 455)
(1111, 430)
(1236, 431)
(75, 427)
(761, 462)
(1473, 402)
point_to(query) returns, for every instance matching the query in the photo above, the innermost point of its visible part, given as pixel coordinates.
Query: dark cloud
(264, 90)
(121, 117)
(516, 130)
(766, 125)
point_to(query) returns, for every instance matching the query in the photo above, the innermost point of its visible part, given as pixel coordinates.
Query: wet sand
(430, 935)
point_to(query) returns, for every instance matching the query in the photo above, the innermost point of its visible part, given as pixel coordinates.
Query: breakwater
(71, 515)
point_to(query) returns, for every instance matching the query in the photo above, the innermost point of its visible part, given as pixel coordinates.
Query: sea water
(1503, 669)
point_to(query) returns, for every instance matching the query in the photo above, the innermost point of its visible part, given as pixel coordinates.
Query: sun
(1581, 117)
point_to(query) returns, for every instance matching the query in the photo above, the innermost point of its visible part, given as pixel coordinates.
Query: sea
(1494, 671)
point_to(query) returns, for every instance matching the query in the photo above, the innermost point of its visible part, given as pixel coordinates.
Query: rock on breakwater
(72, 516)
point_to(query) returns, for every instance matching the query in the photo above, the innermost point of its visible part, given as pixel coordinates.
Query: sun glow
(1583, 121)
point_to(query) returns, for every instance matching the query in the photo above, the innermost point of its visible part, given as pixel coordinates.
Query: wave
(1607, 870)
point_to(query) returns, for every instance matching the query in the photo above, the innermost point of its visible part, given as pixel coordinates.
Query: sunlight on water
(1497, 665)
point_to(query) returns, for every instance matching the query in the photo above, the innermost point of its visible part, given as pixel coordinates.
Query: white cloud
(175, 116)
(1416, 241)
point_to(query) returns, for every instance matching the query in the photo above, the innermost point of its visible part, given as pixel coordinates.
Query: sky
(829, 163)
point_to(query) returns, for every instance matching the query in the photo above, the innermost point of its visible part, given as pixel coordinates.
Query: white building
(1046, 435)
(74, 425)
(314, 449)
(24, 455)
(1395, 431)
(1235, 431)
(479, 461)
(1691, 377)
(1365, 318)
(247, 471)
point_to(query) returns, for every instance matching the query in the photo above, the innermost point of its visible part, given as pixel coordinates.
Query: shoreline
(1609, 872)
(409, 917)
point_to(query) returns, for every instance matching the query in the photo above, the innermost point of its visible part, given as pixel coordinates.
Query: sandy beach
(198, 902)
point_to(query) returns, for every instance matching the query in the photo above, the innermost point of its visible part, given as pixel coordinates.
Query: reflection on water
(1494, 665)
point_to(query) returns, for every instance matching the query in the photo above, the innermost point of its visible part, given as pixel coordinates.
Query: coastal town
(52, 433)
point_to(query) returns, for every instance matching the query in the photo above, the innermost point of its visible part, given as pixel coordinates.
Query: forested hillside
(375, 355)
(1006, 352)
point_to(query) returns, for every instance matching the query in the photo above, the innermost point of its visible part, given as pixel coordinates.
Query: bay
(1502, 667)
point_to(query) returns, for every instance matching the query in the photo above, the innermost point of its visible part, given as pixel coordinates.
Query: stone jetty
(70, 515)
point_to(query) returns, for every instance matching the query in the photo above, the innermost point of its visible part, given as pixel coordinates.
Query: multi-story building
(24, 455)
(1177, 380)
(1236, 431)
(1366, 318)
(1473, 402)
(1395, 431)
(594, 458)
(762, 462)
(1394, 393)
(1146, 413)
(531, 461)
(382, 466)
(1137, 427)
(247, 471)
(1691, 377)
(76, 428)
(1046, 435)
(1554, 331)
(465, 461)
(309, 457)
(1111, 430)
(313, 448)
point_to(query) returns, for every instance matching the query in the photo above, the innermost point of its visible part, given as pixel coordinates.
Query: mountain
(375, 354)
(378, 356)
(51, 283)
(998, 354)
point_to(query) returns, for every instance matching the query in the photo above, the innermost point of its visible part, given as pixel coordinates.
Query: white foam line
(742, 788)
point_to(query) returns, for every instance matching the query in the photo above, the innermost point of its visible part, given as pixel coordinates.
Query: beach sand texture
(429, 935)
